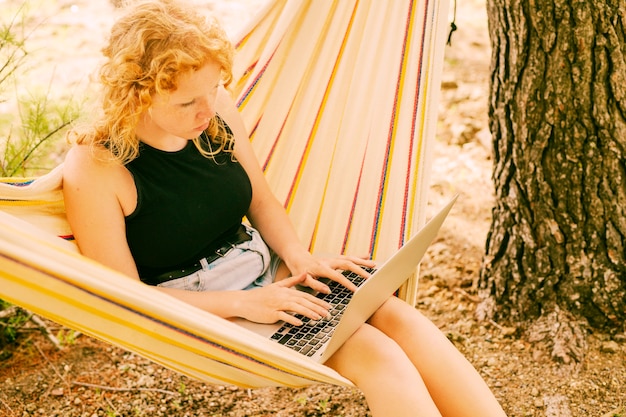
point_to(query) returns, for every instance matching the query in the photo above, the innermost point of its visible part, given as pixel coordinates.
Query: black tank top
(185, 203)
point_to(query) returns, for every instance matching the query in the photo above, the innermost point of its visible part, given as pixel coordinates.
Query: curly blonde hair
(150, 47)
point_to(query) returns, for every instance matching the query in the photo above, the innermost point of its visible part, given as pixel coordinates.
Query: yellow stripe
(16, 180)
(403, 73)
(322, 106)
(30, 203)
(392, 141)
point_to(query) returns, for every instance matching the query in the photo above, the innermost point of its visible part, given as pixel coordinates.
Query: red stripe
(321, 108)
(273, 148)
(413, 127)
(390, 136)
(384, 173)
(353, 209)
(256, 80)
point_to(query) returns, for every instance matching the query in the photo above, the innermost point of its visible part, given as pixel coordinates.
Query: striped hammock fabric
(340, 99)
(342, 128)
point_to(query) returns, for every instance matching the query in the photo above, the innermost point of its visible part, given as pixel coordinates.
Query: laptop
(319, 340)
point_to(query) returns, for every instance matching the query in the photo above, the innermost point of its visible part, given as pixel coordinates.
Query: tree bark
(557, 110)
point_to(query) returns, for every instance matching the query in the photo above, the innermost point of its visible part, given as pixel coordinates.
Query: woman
(157, 188)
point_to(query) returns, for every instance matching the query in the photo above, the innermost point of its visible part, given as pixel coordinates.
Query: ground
(90, 378)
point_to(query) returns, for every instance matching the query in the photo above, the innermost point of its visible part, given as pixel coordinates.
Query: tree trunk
(556, 250)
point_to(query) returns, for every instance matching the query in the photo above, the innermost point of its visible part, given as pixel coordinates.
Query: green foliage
(324, 405)
(30, 126)
(67, 337)
(10, 324)
(27, 148)
(12, 48)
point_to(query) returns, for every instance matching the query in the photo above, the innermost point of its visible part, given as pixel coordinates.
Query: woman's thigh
(381, 369)
(367, 352)
(396, 318)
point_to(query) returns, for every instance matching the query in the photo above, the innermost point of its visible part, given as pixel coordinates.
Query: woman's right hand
(279, 301)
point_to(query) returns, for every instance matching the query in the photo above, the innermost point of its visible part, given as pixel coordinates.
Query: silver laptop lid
(385, 281)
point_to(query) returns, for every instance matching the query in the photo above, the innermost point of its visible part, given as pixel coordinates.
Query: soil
(86, 377)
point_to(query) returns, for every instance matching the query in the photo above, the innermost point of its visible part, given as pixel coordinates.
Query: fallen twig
(472, 298)
(39, 322)
(56, 371)
(8, 312)
(496, 325)
(111, 405)
(617, 412)
(505, 331)
(107, 388)
(7, 406)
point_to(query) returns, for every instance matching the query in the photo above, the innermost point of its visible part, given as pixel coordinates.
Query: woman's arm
(96, 209)
(99, 195)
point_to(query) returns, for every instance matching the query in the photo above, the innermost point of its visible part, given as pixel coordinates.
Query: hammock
(340, 98)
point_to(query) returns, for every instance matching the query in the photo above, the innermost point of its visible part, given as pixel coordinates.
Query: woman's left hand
(331, 267)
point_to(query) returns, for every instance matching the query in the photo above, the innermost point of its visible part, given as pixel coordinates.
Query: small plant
(67, 337)
(176, 405)
(11, 321)
(12, 47)
(41, 123)
(323, 405)
(29, 141)
(302, 400)
(30, 126)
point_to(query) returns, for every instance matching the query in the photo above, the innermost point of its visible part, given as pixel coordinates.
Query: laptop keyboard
(307, 338)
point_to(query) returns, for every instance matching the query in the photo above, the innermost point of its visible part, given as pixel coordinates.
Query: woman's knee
(380, 368)
(404, 323)
(395, 313)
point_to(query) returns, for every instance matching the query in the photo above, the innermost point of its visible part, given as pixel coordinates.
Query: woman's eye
(187, 104)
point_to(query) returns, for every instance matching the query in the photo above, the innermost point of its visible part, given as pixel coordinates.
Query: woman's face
(185, 112)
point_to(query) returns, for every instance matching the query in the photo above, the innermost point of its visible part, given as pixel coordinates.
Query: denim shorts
(249, 265)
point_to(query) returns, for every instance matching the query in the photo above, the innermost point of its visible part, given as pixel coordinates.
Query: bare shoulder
(83, 164)
(88, 171)
(83, 160)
